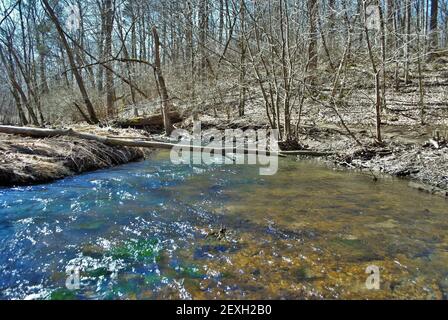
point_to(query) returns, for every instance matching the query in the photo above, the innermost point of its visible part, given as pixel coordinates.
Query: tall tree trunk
(376, 74)
(390, 13)
(221, 21)
(42, 51)
(407, 47)
(101, 35)
(190, 56)
(313, 34)
(203, 32)
(242, 78)
(76, 73)
(22, 117)
(165, 101)
(434, 24)
(126, 57)
(109, 7)
(383, 55)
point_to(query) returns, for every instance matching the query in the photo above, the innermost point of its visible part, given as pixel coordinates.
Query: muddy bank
(28, 161)
(410, 153)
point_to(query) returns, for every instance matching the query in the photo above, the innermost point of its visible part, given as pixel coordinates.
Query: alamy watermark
(73, 22)
(373, 281)
(211, 147)
(373, 17)
(73, 281)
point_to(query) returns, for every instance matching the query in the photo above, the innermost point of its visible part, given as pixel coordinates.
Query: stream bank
(416, 153)
(28, 161)
(413, 152)
(406, 152)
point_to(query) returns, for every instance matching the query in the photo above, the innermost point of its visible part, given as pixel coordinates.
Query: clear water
(144, 231)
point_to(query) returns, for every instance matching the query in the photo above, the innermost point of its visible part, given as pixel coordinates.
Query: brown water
(332, 226)
(307, 232)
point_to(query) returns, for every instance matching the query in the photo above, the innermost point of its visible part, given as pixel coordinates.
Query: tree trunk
(140, 143)
(390, 13)
(22, 117)
(16, 88)
(203, 31)
(71, 59)
(162, 85)
(110, 90)
(242, 78)
(221, 21)
(408, 40)
(312, 47)
(42, 50)
(434, 34)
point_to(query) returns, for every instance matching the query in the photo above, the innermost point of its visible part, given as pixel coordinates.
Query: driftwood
(309, 153)
(155, 121)
(140, 143)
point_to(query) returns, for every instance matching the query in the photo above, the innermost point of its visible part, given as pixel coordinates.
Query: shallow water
(140, 232)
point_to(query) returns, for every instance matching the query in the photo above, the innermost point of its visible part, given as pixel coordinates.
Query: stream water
(144, 231)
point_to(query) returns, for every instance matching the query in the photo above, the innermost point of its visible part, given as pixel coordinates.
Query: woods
(91, 60)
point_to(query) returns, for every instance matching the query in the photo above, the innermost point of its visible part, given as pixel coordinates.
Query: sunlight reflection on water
(143, 231)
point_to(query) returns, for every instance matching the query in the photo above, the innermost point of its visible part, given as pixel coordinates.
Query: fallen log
(309, 153)
(140, 143)
(428, 189)
(151, 122)
(47, 133)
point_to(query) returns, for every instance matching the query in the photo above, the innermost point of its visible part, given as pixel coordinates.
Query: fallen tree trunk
(46, 133)
(309, 153)
(151, 122)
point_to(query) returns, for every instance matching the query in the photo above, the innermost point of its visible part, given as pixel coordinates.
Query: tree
(74, 69)
(313, 11)
(109, 13)
(434, 33)
(243, 48)
(165, 100)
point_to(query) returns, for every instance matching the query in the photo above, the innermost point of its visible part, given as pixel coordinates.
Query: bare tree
(76, 73)
(165, 100)
(434, 25)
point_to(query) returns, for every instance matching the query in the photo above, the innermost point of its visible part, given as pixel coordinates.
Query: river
(144, 231)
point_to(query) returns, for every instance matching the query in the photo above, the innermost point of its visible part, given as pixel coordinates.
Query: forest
(355, 89)
(95, 60)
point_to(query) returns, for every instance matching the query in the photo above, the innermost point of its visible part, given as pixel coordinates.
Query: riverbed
(154, 230)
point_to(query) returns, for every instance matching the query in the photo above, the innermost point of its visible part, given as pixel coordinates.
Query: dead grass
(26, 161)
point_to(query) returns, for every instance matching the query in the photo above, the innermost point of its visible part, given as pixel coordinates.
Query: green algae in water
(355, 244)
(141, 250)
(92, 251)
(97, 273)
(63, 294)
(153, 279)
(92, 225)
(192, 272)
